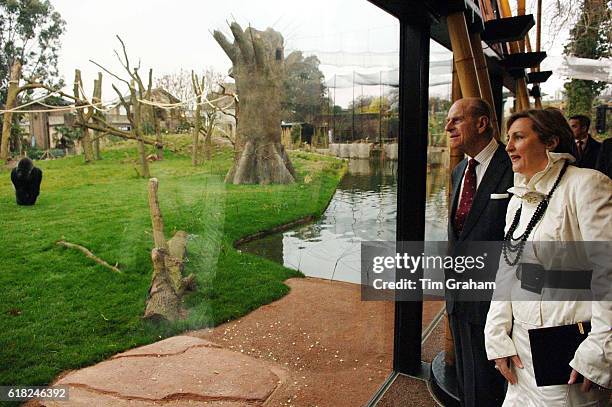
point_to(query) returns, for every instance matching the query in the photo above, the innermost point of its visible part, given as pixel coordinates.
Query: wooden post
(483, 79)
(522, 96)
(11, 99)
(462, 54)
(96, 99)
(197, 120)
(83, 117)
(156, 217)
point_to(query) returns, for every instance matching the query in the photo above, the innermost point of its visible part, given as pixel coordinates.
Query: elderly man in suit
(587, 147)
(479, 200)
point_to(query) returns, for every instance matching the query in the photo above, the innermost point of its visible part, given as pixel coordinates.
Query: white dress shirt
(484, 158)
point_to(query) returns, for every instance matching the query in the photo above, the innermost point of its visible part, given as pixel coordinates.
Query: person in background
(479, 200)
(604, 161)
(587, 147)
(553, 201)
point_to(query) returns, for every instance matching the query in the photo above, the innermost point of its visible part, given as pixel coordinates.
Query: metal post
(353, 125)
(411, 181)
(334, 112)
(361, 112)
(380, 103)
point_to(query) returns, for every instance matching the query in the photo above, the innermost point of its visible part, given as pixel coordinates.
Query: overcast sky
(169, 36)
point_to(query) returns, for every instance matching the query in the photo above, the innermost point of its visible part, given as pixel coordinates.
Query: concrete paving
(181, 369)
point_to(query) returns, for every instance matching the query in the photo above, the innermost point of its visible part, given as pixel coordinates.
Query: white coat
(580, 209)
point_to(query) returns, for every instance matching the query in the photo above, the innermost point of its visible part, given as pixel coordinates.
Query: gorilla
(26, 179)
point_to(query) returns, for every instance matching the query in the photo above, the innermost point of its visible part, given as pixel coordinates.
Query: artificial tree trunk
(257, 58)
(11, 100)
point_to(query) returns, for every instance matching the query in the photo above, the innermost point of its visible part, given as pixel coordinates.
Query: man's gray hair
(477, 107)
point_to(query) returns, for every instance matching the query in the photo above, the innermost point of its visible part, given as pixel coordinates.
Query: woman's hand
(503, 366)
(585, 386)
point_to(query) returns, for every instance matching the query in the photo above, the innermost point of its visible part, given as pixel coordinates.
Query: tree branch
(109, 72)
(88, 253)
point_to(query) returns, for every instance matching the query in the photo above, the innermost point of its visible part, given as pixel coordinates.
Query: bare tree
(178, 84)
(136, 110)
(209, 92)
(84, 115)
(257, 58)
(14, 89)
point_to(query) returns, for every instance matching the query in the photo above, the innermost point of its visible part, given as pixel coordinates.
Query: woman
(556, 202)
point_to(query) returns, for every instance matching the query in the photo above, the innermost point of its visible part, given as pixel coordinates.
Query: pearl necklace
(516, 245)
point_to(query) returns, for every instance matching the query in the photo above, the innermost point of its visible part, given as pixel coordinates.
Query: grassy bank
(59, 310)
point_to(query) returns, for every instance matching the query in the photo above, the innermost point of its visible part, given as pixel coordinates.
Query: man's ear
(552, 144)
(481, 124)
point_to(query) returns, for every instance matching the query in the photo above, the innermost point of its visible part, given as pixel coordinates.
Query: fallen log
(164, 301)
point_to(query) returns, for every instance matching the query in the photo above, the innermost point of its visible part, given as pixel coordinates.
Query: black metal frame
(411, 179)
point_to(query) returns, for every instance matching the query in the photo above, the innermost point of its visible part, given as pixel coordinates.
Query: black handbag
(553, 348)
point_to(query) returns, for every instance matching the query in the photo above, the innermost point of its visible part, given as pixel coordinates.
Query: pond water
(363, 208)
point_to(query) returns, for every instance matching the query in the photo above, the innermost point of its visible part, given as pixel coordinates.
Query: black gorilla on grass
(26, 179)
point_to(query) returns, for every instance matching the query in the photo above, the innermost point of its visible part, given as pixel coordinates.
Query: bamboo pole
(520, 11)
(455, 155)
(462, 54)
(521, 86)
(538, 99)
(483, 79)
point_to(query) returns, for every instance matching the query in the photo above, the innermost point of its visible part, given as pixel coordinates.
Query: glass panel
(276, 320)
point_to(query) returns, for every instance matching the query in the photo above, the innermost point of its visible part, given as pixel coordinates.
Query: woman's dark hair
(549, 124)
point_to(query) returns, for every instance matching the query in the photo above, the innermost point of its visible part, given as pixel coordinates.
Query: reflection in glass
(362, 209)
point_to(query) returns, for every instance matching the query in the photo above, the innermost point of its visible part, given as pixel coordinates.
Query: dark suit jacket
(589, 156)
(485, 222)
(604, 162)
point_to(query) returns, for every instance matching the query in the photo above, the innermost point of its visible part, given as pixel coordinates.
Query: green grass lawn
(60, 310)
